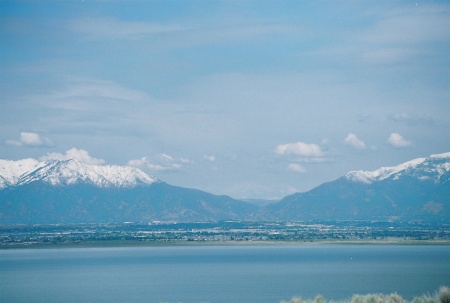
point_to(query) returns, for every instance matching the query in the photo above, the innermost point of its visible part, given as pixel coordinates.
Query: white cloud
(299, 149)
(398, 141)
(138, 162)
(162, 167)
(166, 157)
(162, 162)
(74, 153)
(210, 158)
(354, 141)
(30, 139)
(295, 167)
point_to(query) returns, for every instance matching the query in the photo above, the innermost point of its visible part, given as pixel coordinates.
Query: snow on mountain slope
(12, 171)
(70, 172)
(433, 167)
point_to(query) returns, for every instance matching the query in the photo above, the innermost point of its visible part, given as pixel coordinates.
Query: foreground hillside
(443, 296)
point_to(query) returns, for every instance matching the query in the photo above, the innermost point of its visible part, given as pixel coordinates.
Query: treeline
(441, 296)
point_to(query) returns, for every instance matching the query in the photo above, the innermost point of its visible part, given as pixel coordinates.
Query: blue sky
(253, 99)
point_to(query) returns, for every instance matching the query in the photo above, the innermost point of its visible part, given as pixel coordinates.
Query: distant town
(222, 232)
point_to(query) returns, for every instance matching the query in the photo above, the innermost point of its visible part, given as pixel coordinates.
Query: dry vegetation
(442, 296)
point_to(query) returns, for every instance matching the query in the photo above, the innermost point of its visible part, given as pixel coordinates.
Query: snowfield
(69, 172)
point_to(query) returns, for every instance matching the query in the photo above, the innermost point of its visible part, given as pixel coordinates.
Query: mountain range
(69, 191)
(414, 190)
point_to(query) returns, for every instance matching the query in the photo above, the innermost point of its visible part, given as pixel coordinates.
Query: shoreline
(131, 243)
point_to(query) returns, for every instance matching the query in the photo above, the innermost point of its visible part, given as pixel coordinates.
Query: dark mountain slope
(42, 203)
(415, 190)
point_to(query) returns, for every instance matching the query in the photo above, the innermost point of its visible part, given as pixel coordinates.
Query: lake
(219, 274)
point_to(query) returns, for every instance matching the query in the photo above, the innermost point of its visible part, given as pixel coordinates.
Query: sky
(252, 99)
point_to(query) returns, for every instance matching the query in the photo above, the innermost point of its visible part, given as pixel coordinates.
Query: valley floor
(224, 233)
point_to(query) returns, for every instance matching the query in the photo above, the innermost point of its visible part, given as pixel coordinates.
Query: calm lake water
(219, 274)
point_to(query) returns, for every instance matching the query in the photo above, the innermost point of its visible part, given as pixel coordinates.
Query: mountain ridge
(70, 191)
(414, 190)
(57, 172)
(386, 172)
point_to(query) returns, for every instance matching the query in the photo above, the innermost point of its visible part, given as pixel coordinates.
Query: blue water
(219, 274)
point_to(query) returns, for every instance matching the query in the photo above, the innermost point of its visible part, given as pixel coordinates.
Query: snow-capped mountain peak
(69, 172)
(12, 171)
(433, 167)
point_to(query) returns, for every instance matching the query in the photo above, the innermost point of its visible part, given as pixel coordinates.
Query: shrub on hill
(442, 296)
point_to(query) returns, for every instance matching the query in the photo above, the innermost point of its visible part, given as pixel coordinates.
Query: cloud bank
(299, 149)
(210, 158)
(76, 154)
(162, 162)
(31, 140)
(295, 167)
(354, 141)
(398, 141)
